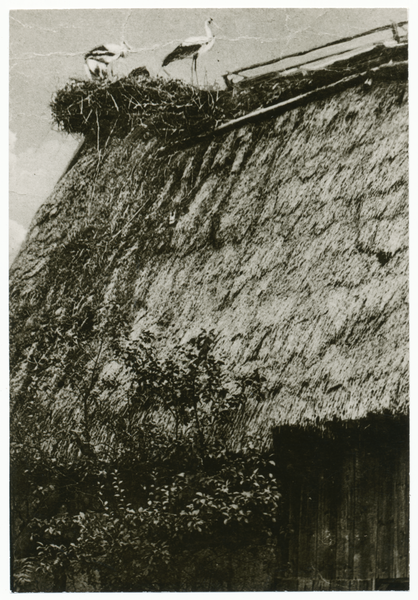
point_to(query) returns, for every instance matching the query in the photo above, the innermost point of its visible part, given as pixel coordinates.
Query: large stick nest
(153, 106)
(173, 110)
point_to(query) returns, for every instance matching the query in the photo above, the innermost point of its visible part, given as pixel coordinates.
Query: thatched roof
(173, 111)
(289, 240)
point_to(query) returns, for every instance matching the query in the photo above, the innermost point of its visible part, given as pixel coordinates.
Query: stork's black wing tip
(181, 52)
(170, 57)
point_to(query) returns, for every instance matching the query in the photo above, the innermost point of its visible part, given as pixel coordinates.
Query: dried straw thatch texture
(263, 90)
(290, 241)
(308, 278)
(172, 111)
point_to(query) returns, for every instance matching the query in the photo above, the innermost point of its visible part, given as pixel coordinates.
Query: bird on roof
(192, 47)
(99, 61)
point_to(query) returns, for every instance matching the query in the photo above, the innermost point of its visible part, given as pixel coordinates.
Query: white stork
(99, 61)
(192, 48)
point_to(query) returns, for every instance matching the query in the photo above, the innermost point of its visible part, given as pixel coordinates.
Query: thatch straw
(288, 238)
(173, 111)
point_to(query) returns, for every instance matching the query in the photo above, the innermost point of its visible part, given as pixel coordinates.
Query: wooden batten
(335, 43)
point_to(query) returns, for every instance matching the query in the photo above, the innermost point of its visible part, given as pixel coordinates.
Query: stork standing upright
(99, 61)
(192, 48)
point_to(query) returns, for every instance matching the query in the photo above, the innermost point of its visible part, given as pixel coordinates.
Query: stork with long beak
(192, 47)
(99, 61)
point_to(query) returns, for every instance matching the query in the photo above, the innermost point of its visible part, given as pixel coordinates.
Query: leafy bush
(131, 513)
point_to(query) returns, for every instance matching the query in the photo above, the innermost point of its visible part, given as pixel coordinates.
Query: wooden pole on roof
(303, 52)
(286, 104)
(294, 101)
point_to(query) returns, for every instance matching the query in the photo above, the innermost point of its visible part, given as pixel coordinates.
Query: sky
(47, 49)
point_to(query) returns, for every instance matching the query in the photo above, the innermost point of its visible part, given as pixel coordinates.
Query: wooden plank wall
(347, 510)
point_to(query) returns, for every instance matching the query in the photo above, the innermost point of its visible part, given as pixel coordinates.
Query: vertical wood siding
(347, 511)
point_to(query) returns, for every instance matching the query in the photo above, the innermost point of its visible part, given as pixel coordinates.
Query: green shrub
(127, 513)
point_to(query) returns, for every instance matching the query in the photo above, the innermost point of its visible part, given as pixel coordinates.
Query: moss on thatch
(288, 238)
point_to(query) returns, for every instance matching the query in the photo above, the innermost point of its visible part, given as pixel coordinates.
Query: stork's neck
(208, 30)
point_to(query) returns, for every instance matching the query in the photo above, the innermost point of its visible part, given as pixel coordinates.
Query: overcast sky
(47, 48)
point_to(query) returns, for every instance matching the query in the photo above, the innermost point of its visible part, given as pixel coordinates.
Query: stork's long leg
(195, 70)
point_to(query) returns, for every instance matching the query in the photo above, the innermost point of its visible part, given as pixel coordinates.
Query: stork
(192, 47)
(99, 61)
